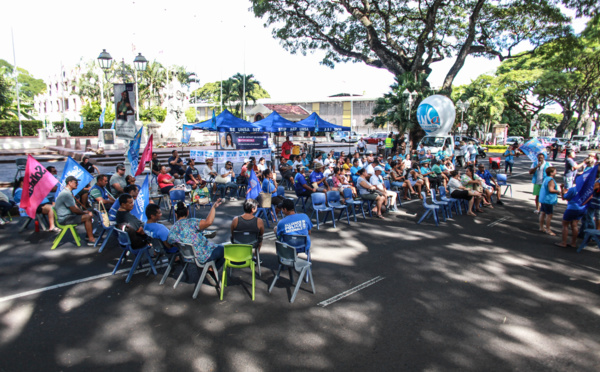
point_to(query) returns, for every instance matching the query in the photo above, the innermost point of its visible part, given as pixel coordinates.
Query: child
(571, 217)
(548, 198)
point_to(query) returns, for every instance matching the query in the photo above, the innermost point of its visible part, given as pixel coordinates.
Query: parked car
(345, 137)
(573, 145)
(515, 139)
(457, 139)
(582, 141)
(374, 138)
(595, 142)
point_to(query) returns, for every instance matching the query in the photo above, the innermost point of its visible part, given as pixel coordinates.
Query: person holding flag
(68, 213)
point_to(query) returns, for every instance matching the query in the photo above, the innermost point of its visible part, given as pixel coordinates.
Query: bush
(496, 148)
(90, 128)
(10, 128)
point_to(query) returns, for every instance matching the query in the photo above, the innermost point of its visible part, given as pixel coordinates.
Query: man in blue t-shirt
(489, 180)
(317, 177)
(293, 223)
(156, 230)
(302, 187)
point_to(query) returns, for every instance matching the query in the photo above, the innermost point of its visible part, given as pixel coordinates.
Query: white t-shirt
(327, 161)
(370, 170)
(223, 171)
(377, 181)
(454, 184)
(540, 173)
(205, 172)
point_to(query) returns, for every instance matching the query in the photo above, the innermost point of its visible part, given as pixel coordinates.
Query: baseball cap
(378, 168)
(370, 152)
(71, 178)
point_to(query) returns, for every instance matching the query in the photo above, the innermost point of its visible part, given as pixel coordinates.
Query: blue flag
(142, 201)
(214, 121)
(316, 124)
(186, 133)
(585, 186)
(253, 186)
(73, 168)
(133, 155)
(81, 123)
(532, 148)
(102, 117)
(113, 124)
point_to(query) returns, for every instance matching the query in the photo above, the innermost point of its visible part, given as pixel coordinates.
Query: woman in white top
(208, 173)
(228, 180)
(261, 165)
(364, 190)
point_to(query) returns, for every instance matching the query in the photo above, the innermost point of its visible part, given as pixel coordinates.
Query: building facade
(59, 92)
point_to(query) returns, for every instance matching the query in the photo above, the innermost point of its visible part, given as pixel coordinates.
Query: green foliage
(91, 111)
(10, 128)
(405, 37)
(90, 128)
(190, 114)
(153, 114)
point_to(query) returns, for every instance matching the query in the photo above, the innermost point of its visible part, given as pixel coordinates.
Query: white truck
(436, 142)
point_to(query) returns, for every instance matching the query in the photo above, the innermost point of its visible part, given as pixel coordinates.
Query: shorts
(460, 194)
(546, 208)
(73, 219)
(473, 157)
(536, 189)
(572, 215)
(39, 208)
(369, 196)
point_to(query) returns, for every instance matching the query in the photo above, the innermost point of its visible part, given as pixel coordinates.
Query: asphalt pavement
(485, 293)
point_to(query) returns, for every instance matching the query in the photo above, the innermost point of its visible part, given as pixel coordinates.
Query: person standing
(286, 148)
(554, 149)
(389, 144)
(571, 217)
(509, 159)
(538, 171)
(548, 199)
(67, 212)
(571, 168)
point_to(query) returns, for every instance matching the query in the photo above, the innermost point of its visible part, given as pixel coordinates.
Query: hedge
(10, 128)
(90, 128)
(496, 148)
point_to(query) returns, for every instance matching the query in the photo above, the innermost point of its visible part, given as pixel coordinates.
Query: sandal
(549, 232)
(471, 214)
(380, 216)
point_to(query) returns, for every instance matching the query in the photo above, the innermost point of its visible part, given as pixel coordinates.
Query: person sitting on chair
(302, 187)
(286, 171)
(318, 180)
(124, 217)
(269, 186)
(248, 222)
(100, 194)
(45, 206)
(293, 223)
(117, 181)
(165, 180)
(157, 230)
(189, 231)
(489, 181)
(91, 168)
(67, 213)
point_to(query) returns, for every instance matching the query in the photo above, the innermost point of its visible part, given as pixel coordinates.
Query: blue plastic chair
(453, 202)
(430, 210)
(319, 205)
(388, 186)
(501, 181)
(265, 213)
(445, 206)
(139, 254)
(304, 200)
(353, 203)
(105, 229)
(334, 201)
(175, 196)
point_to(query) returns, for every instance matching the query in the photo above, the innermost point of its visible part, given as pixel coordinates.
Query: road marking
(350, 291)
(498, 221)
(73, 282)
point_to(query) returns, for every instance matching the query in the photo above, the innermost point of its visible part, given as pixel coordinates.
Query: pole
(244, 81)
(62, 87)
(17, 84)
(137, 98)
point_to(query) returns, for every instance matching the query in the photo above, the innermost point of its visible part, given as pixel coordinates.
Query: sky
(215, 39)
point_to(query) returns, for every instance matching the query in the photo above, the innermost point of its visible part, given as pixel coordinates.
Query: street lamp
(140, 63)
(410, 97)
(462, 106)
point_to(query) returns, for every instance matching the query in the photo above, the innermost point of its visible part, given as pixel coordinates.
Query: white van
(434, 143)
(345, 137)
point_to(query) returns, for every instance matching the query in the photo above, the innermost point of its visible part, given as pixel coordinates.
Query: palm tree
(250, 86)
(153, 80)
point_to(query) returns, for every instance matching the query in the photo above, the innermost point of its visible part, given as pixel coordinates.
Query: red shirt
(286, 149)
(161, 178)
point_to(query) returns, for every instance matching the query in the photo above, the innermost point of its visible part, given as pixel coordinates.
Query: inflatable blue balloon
(436, 114)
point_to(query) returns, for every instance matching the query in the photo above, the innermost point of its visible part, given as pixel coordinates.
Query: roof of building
(288, 109)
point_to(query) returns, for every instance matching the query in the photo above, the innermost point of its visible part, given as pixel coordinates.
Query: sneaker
(232, 199)
(499, 202)
(536, 211)
(90, 244)
(2, 222)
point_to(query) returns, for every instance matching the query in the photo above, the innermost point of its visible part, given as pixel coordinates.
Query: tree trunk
(567, 116)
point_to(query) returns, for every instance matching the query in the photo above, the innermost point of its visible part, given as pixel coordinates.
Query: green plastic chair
(237, 256)
(63, 230)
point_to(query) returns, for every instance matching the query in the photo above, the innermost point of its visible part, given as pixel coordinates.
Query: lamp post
(410, 97)
(462, 106)
(140, 64)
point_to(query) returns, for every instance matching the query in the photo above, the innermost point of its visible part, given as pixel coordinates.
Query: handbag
(104, 215)
(266, 200)
(220, 179)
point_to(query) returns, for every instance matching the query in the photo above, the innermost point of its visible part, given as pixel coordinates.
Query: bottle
(37, 226)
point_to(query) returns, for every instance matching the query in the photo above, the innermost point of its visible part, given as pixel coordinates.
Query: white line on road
(350, 291)
(498, 221)
(73, 282)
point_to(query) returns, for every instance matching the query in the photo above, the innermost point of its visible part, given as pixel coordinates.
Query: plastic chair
(501, 181)
(430, 210)
(287, 256)
(63, 230)
(105, 229)
(453, 202)
(300, 242)
(175, 196)
(353, 203)
(443, 204)
(139, 253)
(334, 201)
(304, 200)
(21, 164)
(388, 186)
(265, 211)
(250, 238)
(237, 256)
(186, 252)
(319, 205)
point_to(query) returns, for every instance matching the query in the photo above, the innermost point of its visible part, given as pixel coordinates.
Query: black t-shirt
(124, 217)
(194, 172)
(88, 167)
(177, 167)
(156, 165)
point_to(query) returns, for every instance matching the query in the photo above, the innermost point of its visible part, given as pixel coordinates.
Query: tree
(404, 36)
(9, 108)
(190, 114)
(153, 80)
(246, 88)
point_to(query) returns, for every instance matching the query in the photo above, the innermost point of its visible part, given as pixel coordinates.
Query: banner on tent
(243, 141)
(221, 157)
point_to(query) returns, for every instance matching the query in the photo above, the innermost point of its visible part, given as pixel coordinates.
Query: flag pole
(17, 84)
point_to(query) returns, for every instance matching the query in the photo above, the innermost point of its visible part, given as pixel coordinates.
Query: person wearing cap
(293, 223)
(176, 164)
(67, 212)
(317, 179)
(328, 160)
(377, 181)
(328, 170)
(489, 181)
(368, 192)
(427, 173)
(117, 181)
(91, 168)
(301, 186)
(286, 170)
(192, 174)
